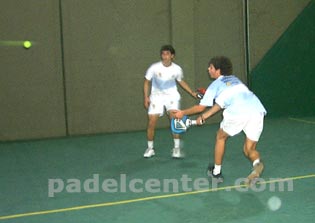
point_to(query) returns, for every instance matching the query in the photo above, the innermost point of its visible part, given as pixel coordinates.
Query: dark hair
(167, 48)
(222, 63)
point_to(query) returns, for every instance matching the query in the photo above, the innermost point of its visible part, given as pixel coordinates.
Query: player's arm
(203, 117)
(190, 111)
(146, 90)
(186, 87)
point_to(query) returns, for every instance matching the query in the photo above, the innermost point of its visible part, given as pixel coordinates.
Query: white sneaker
(176, 153)
(149, 153)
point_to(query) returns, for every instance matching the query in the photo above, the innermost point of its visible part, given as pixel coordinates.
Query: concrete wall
(31, 81)
(284, 78)
(85, 73)
(268, 19)
(108, 47)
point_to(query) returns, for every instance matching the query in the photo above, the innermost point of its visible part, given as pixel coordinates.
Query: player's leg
(215, 171)
(220, 147)
(152, 120)
(172, 103)
(253, 155)
(250, 150)
(176, 151)
(154, 112)
(253, 131)
(229, 126)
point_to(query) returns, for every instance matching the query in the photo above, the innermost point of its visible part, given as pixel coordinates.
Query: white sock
(217, 169)
(150, 144)
(256, 161)
(176, 143)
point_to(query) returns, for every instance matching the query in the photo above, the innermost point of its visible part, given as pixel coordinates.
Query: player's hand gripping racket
(180, 126)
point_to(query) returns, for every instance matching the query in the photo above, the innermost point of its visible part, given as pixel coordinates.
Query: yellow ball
(27, 44)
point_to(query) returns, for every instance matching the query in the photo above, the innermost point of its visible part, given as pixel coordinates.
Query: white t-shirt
(233, 96)
(164, 78)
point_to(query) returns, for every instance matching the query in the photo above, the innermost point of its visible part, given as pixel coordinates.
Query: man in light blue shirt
(242, 112)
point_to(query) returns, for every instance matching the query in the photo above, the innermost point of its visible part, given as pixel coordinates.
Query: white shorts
(158, 102)
(252, 125)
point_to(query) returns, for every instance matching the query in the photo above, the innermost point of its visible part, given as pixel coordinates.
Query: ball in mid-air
(27, 44)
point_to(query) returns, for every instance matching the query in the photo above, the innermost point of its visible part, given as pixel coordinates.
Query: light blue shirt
(233, 96)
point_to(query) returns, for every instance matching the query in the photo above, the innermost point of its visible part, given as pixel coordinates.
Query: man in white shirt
(242, 112)
(163, 77)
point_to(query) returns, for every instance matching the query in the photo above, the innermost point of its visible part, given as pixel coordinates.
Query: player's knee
(221, 135)
(152, 122)
(248, 149)
(151, 125)
(245, 150)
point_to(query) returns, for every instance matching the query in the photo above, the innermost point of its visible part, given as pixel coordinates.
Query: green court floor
(28, 169)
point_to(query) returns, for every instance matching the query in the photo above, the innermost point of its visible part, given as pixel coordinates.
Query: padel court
(73, 125)
(287, 147)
